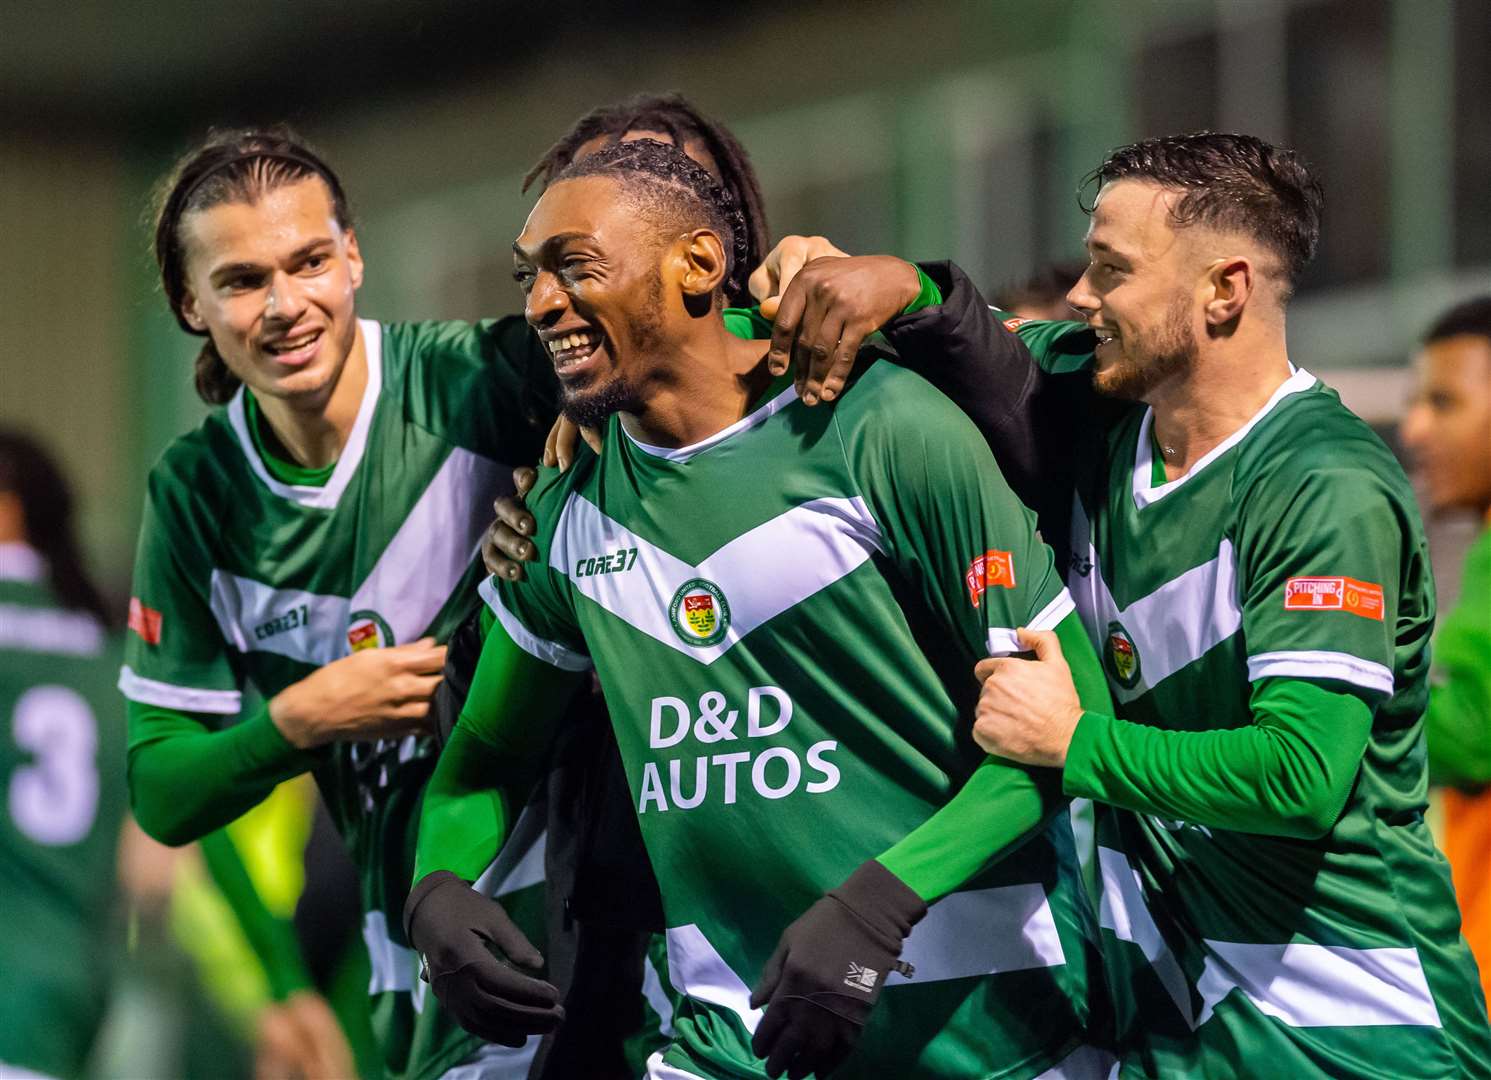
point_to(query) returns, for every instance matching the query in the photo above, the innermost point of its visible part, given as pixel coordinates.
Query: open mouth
(570, 351)
(295, 350)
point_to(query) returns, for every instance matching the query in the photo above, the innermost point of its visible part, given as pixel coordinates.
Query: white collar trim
(745, 423)
(328, 495)
(21, 562)
(1146, 492)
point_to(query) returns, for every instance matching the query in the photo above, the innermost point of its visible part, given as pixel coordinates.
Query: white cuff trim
(170, 696)
(1002, 640)
(1312, 664)
(550, 652)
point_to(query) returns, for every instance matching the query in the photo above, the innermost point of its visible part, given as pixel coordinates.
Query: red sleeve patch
(1334, 594)
(144, 621)
(990, 568)
(1014, 324)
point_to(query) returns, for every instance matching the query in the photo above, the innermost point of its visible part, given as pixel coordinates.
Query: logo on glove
(861, 977)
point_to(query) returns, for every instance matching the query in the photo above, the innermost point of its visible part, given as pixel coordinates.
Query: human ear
(190, 312)
(354, 259)
(1230, 283)
(704, 263)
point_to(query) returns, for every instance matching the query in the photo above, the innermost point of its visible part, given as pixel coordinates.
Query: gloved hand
(827, 971)
(452, 925)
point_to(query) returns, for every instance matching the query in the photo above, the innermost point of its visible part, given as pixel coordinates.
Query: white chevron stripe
(762, 573)
(407, 586)
(1173, 626)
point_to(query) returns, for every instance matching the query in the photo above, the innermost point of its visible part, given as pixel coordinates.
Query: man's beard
(1153, 359)
(590, 404)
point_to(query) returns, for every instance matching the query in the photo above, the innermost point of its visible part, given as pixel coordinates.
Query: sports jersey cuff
(929, 296)
(266, 746)
(1077, 775)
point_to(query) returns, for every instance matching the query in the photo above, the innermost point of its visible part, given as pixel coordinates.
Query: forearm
(1288, 773)
(272, 939)
(1001, 804)
(490, 762)
(186, 780)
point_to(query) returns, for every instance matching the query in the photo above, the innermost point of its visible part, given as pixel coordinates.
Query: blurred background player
(62, 800)
(1043, 295)
(1448, 435)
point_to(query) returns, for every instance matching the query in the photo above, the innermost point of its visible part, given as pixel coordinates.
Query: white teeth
(571, 341)
(291, 344)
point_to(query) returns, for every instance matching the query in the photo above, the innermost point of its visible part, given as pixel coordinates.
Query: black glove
(827, 971)
(453, 926)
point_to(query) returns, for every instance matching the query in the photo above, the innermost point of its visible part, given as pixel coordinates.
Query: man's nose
(1081, 297)
(284, 301)
(546, 301)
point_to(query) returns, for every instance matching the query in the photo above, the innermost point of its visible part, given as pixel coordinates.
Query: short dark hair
(675, 189)
(1233, 182)
(676, 116)
(241, 166)
(1469, 317)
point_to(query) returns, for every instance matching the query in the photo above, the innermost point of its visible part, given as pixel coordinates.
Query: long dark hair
(228, 166)
(29, 472)
(675, 116)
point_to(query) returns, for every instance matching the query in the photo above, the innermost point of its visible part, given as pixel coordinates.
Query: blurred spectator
(61, 742)
(1043, 294)
(1448, 433)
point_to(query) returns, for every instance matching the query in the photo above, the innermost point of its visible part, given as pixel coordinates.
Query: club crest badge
(367, 630)
(1122, 656)
(699, 613)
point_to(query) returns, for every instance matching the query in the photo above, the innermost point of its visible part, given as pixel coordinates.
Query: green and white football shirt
(1292, 551)
(784, 618)
(241, 576)
(62, 803)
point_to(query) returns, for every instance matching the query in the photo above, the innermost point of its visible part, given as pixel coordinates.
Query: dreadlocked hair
(673, 115)
(28, 472)
(673, 187)
(238, 166)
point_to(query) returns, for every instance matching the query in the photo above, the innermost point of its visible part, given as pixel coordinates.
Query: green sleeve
(969, 550)
(272, 939)
(1458, 723)
(497, 362)
(1288, 773)
(1000, 805)
(185, 779)
(486, 769)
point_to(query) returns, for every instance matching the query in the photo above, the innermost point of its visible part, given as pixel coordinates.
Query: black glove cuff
(422, 888)
(881, 899)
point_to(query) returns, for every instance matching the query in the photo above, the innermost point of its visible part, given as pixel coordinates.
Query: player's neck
(709, 382)
(312, 430)
(1231, 380)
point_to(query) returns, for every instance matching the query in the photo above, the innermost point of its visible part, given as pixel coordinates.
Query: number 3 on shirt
(54, 800)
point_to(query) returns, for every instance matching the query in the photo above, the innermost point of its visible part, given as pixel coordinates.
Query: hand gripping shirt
(62, 805)
(784, 618)
(242, 577)
(1290, 556)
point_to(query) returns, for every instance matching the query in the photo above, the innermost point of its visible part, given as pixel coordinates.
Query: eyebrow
(229, 269)
(558, 240)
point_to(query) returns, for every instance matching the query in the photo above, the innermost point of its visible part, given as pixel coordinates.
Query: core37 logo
(615, 562)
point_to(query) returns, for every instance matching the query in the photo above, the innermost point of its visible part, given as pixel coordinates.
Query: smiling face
(1140, 292)
(272, 282)
(1448, 428)
(591, 270)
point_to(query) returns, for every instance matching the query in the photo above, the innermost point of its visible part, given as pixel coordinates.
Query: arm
(1288, 773)
(472, 799)
(272, 938)
(1000, 806)
(1458, 723)
(186, 779)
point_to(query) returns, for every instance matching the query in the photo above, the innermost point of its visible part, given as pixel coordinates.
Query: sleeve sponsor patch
(144, 621)
(990, 568)
(1334, 594)
(1013, 324)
